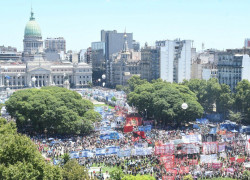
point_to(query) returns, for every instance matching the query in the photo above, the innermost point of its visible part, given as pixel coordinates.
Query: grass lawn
(100, 105)
(105, 168)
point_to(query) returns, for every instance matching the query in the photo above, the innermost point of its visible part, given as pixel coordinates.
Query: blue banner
(112, 135)
(145, 128)
(86, 153)
(74, 155)
(112, 150)
(124, 153)
(100, 151)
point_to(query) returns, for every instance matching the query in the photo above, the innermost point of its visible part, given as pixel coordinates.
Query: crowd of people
(202, 149)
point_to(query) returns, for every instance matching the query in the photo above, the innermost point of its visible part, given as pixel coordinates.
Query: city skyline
(220, 24)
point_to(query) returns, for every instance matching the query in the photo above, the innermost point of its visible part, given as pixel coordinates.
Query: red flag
(232, 159)
(128, 129)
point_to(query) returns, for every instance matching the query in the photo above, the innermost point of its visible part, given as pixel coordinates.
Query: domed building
(36, 71)
(32, 43)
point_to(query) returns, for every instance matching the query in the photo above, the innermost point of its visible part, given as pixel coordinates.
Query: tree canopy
(163, 100)
(20, 159)
(53, 108)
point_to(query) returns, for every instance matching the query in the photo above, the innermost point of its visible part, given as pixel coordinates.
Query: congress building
(35, 71)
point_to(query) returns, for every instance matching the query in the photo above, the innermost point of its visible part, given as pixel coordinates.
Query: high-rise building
(32, 43)
(114, 42)
(204, 64)
(9, 53)
(150, 63)
(55, 45)
(123, 65)
(175, 60)
(232, 68)
(136, 46)
(247, 43)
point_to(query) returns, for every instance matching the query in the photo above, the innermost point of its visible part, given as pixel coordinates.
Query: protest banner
(221, 147)
(112, 150)
(168, 177)
(124, 153)
(132, 120)
(128, 129)
(240, 160)
(172, 171)
(74, 154)
(217, 165)
(142, 151)
(145, 128)
(210, 147)
(190, 148)
(167, 149)
(184, 169)
(230, 170)
(100, 151)
(194, 138)
(141, 145)
(167, 158)
(86, 153)
(208, 158)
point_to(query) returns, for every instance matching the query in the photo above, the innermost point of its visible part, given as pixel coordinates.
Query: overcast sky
(220, 24)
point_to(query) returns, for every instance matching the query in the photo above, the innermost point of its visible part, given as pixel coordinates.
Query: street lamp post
(184, 106)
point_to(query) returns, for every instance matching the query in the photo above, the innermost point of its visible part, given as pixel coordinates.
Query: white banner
(209, 158)
(195, 138)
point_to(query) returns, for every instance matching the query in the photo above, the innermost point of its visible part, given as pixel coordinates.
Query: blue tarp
(202, 121)
(196, 126)
(229, 127)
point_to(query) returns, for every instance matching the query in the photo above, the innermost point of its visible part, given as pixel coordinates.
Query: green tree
(163, 100)
(65, 158)
(20, 159)
(72, 170)
(235, 117)
(118, 87)
(242, 100)
(135, 81)
(210, 93)
(116, 174)
(113, 99)
(57, 109)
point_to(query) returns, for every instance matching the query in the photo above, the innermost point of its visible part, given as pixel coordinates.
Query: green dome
(32, 28)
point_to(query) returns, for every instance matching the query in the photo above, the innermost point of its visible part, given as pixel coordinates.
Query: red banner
(167, 149)
(193, 161)
(172, 171)
(184, 170)
(240, 160)
(165, 159)
(232, 159)
(128, 129)
(133, 121)
(140, 133)
(217, 165)
(168, 177)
